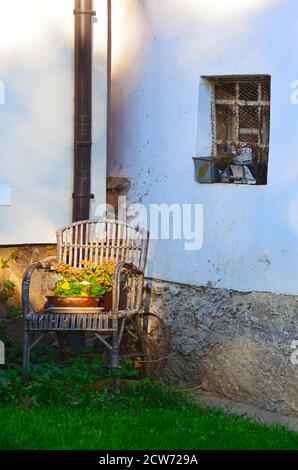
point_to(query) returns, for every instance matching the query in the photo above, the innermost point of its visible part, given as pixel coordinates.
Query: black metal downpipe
(82, 125)
(82, 110)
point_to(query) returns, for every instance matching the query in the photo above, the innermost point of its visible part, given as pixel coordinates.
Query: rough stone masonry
(235, 345)
(41, 284)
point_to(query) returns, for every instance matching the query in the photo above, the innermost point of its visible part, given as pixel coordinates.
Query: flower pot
(78, 302)
(106, 300)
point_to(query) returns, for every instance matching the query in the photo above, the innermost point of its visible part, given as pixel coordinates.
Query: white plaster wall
(161, 49)
(36, 119)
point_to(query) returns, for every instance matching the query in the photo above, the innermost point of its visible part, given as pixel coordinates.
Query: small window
(240, 124)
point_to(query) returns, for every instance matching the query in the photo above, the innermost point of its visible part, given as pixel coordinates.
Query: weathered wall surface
(233, 338)
(160, 52)
(235, 345)
(41, 285)
(26, 255)
(36, 116)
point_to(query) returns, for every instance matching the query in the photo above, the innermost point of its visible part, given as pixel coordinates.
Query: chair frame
(96, 240)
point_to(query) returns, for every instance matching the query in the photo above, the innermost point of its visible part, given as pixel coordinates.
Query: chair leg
(26, 350)
(115, 361)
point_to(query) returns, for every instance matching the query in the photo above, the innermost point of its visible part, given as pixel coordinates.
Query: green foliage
(4, 263)
(54, 407)
(111, 428)
(97, 290)
(3, 323)
(68, 289)
(90, 280)
(7, 290)
(49, 383)
(72, 409)
(13, 311)
(8, 286)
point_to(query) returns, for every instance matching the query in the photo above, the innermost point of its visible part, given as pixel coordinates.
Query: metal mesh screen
(241, 116)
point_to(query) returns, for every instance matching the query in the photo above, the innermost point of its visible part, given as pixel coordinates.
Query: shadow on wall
(151, 49)
(129, 39)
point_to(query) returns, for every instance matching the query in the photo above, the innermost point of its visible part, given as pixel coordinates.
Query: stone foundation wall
(41, 283)
(234, 345)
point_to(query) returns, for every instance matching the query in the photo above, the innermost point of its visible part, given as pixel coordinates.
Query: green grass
(149, 429)
(71, 408)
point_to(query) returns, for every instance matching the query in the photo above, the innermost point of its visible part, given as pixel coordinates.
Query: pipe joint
(84, 12)
(90, 196)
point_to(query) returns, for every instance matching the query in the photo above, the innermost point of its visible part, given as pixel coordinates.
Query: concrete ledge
(241, 409)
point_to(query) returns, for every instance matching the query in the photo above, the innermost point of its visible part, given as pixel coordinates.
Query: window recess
(240, 124)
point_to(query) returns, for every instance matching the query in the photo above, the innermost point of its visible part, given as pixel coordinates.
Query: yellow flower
(84, 294)
(65, 285)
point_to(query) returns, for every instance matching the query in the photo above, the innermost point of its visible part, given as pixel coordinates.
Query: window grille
(241, 116)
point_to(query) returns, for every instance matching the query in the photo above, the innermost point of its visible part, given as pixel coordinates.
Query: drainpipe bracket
(84, 12)
(82, 143)
(89, 196)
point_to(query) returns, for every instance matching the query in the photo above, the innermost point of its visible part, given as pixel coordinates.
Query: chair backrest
(101, 240)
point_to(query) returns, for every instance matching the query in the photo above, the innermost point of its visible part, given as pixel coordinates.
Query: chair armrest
(131, 268)
(46, 266)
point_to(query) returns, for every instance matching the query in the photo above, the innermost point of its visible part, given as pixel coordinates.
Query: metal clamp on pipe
(90, 196)
(83, 142)
(86, 12)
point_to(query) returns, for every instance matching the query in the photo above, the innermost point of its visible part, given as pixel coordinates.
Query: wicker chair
(96, 241)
